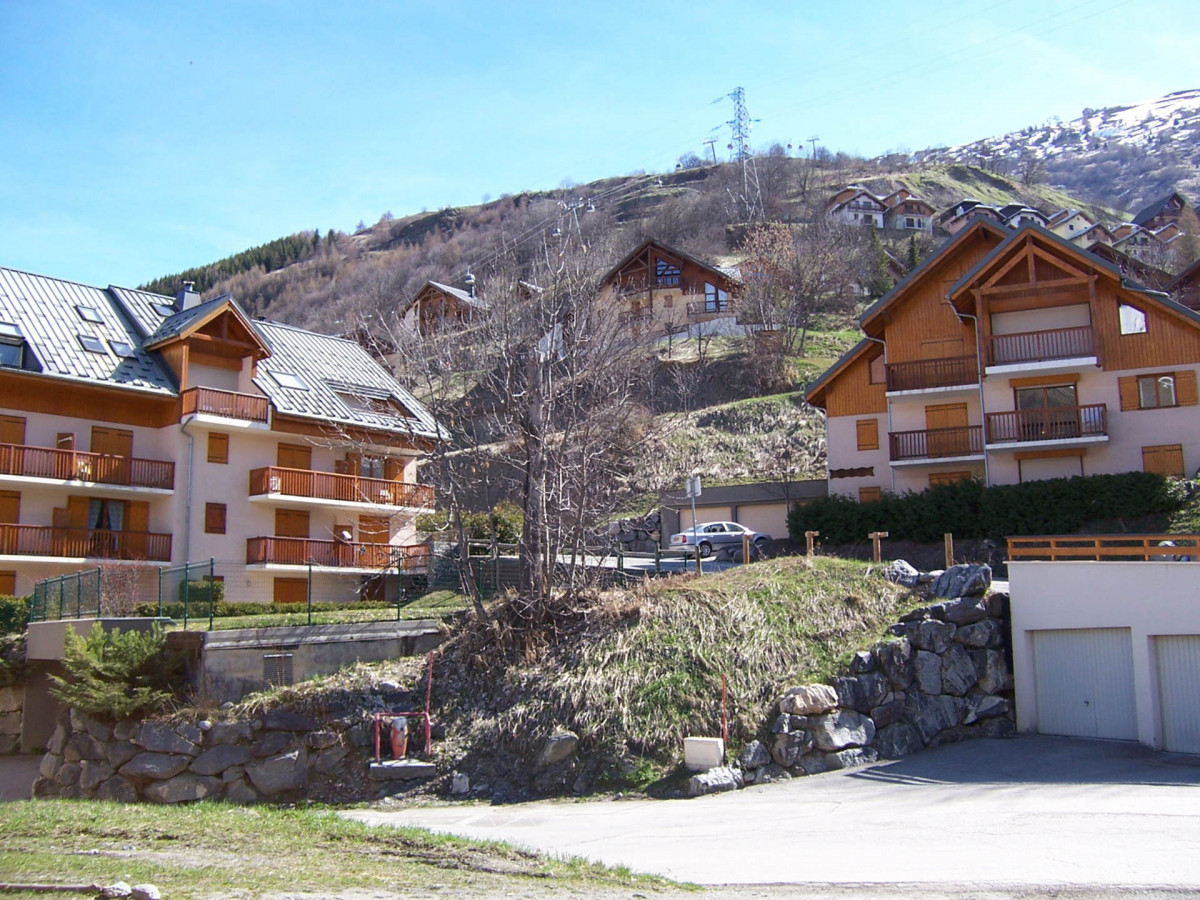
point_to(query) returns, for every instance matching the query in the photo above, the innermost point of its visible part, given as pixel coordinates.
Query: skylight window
(288, 380)
(164, 309)
(12, 346)
(91, 344)
(90, 314)
(9, 330)
(123, 349)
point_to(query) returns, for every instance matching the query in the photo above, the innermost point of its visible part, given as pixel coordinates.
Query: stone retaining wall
(12, 703)
(273, 758)
(945, 676)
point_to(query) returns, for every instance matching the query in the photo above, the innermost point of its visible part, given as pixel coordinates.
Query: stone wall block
(985, 706)
(273, 743)
(49, 766)
(841, 729)
(155, 766)
(808, 699)
(789, 747)
(981, 634)
(92, 772)
(897, 740)
(183, 789)
(958, 671)
(228, 733)
(217, 759)
(119, 752)
(286, 720)
(928, 671)
(931, 714)
(125, 729)
(931, 635)
(10, 723)
(82, 745)
(963, 581)
(12, 699)
(862, 662)
(118, 789)
(241, 792)
(714, 781)
(276, 774)
(754, 755)
(69, 774)
(999, 727)
(233, 773)
(896, 660)
(58, 740)
(190, 733)
(155, 737)
(319, 740)
(887, 713)
(964, 610)
(994, 676)
(330, 758)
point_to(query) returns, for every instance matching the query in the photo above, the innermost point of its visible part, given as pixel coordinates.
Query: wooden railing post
(875, 537)
(948, 542)
(809, 542)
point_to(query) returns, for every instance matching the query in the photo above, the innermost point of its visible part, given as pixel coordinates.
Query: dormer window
(165, 310)
(288, 380)
(91, 344)
(90, 314)
(122, 349)
(12, 345)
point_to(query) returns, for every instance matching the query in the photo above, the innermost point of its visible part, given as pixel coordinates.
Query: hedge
(967, 509)
(14, 614)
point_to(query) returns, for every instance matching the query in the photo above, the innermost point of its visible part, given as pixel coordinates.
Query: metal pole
(212, 591)
(186, 594)
(310, 590)
(160, 568)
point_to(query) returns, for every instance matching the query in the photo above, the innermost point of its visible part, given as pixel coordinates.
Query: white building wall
(842, 442)
(1149, 598)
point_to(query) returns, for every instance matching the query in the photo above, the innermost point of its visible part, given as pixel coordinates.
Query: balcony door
(374, 530)
(291, 523)
(116, 447)
(1048, 412)
(294, 456)
(947, 427)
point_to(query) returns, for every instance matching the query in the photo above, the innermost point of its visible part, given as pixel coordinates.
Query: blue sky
(140, 138)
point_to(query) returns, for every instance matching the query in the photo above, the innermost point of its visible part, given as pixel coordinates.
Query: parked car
(709, 537)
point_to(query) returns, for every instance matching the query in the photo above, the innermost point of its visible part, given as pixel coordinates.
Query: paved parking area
(1033, 811)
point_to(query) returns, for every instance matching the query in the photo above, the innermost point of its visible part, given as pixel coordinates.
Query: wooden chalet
(1162, 211)
(437, 306)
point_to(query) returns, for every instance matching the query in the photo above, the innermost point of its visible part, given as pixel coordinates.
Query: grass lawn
(213, 850)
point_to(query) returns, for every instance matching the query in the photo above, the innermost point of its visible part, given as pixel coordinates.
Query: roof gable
(724, 275)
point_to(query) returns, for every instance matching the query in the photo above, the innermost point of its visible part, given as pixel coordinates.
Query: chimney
(470, 283)
(187, 296)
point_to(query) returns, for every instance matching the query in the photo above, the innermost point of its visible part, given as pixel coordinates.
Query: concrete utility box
(701, 754)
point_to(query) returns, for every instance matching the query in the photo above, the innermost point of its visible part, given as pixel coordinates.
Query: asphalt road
(1033, 811)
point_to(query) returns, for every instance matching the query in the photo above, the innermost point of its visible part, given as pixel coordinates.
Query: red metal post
(376, 737)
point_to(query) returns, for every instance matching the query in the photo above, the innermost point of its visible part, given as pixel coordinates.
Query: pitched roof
(47, 310)
(637, 251)
(1152, 209)
(342, 382)
(816, 390)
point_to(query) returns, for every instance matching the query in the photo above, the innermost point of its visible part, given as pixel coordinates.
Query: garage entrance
(1179, 691)
(1084, 679)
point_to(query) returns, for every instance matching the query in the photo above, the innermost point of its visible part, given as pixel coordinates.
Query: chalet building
(856, 205)
(1162, 211)
(973, 213)
(1014, 215)
(1069, 224)
(1097, 234)
(661, 290)
(1139, 270)
(139, 430)
(1012, 356)
(1185, 287)
(907, 212)
(437, 306)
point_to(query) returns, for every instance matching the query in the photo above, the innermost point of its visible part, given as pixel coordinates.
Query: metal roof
(333, 369)
(46, 309)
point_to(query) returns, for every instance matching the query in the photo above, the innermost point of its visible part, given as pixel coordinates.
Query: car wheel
(704, 548)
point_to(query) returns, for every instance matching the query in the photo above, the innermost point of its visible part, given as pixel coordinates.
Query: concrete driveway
(1032, 811)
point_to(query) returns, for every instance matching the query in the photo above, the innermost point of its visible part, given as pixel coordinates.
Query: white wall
(1149, 598)
(841, 434)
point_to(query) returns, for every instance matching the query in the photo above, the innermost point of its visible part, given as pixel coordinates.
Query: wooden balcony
(329, 486)
(923, 374)
(1040, 346)
(227, 404)
(335, 554)
(1053, 423)
(75, 465)
(44, 540)
(936, 443)
(710, 307)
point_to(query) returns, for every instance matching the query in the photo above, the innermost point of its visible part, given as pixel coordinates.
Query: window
(1156, 390)
(91, 344)
(106, 515)
(90, 314)
(1163, 459)
(164, 309)
(666, 274)
(715, 299)
(869, 494)
(218, 447)
(12, 345)
(1133, 320)
(214, 518)
(868, 434)
(288, 380)
(372, 467)
(910, 222)
(877, 372)
(122, 349)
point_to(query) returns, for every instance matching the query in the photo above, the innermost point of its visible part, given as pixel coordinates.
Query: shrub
(967, 509)
(117, 674)
(506, 518)
(14, 614)
(201, 591)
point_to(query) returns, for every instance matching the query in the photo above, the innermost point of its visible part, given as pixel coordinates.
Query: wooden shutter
(1128, 387)
(8, 583)
(868, 434)
(869, 494)
(137, 515)
(113, 441)
(10, 507)
(218, 447)
(936, 478)
(1163, 459)
(294, 456)
(12, 430)
(1185, 387)
(77, 512)
(291, 590)
(291, 523)
(214, 518)
(393, 469)
(373, 529)
(64, 440)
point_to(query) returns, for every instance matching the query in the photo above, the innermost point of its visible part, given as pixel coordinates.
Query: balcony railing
(709, 307)
(45, 540)
(229, 404)
(936, 443)
(332, 486)
(335, 554)
(75, 465)
(1040, 346)
(931, 373)
(1052, 423)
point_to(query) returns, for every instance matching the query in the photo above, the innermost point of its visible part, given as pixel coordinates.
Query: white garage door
(1084, 682)
(1179, 691)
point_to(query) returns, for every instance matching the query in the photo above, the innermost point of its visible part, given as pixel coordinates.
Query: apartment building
(1008, 357)
(139, 430)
